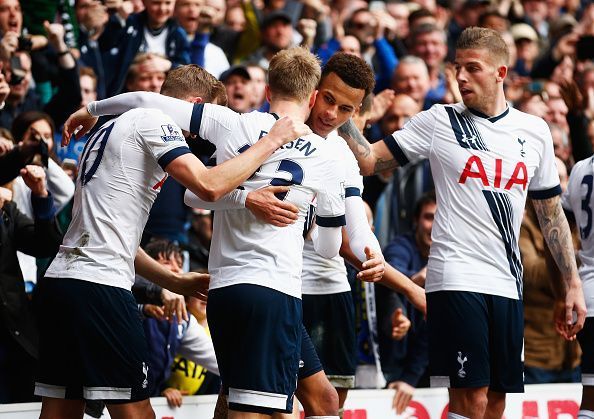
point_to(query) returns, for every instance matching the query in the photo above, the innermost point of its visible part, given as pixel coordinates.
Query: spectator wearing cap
(151, 31)
(527, 48)
(198, 21)
(237, 83)
(277, 34)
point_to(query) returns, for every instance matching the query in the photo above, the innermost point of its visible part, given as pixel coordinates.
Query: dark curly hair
(352, 70)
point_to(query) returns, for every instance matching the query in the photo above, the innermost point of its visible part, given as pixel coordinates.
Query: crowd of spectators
(56, 56)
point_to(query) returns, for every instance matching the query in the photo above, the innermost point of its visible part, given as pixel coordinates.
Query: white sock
(456, 416)
(585, 414)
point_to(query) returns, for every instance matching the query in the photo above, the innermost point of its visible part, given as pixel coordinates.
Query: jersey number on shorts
(585, 231)
(101, 135)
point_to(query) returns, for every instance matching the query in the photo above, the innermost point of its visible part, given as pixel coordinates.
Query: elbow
(328, 252)
(210, 194)
(366, 168)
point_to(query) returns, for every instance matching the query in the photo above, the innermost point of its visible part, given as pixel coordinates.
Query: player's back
(579, 199)
(119, 178)
(246, 250)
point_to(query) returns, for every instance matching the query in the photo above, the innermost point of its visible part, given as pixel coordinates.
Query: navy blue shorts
(475, 340)
(586, 340)
(309, 363)
(256, 332)
(92, 344)
(330, 322)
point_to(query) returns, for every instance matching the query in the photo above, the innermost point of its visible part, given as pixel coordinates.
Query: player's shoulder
(257, 117)
(533, 122)
(582, 166)
(146, 116)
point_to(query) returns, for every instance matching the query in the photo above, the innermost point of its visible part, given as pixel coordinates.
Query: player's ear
(501, 73)
(267, 93)
(197, 99)
(312, 99)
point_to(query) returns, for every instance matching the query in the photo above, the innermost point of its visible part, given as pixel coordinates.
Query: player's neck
(289, 108)
(495, 107)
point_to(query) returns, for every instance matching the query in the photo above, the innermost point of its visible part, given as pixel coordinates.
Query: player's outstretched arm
(233, 200)
(81, 121)
(555, 230)
(192, 284)
(372, 158)
(399, 282)
(212, 184)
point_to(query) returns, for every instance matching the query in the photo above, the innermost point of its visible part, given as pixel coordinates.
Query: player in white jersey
(485, 158)
(255, 267)
(92, 344)
(579, 200)
(341, 91)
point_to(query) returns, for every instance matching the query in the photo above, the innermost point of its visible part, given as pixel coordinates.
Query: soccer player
(345, 81)
(256, 267)
(92, 344)
(486, 158)
(579, 200)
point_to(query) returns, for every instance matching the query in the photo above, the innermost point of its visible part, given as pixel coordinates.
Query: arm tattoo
(381, 165)
(356, 141)
(555, 230)
(361, 147)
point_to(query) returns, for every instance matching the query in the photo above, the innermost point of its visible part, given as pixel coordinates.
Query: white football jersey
(322, 275)
(120, 174)
(579, 200)
(244, 249)
(483, 168)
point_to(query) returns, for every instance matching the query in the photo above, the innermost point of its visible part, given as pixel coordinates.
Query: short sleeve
(161, 137)
(545, 182)
(213, 123)
(331, 197)
(413, 141)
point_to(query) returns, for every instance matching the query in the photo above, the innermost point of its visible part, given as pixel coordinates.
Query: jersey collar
(492, 119)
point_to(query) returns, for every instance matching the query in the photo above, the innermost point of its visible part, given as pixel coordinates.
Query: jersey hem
(465, 288)
(58, 275)
(214, 284)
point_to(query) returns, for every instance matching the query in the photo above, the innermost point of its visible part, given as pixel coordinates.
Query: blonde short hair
(487, 39)
(193, 80)
(294, 74)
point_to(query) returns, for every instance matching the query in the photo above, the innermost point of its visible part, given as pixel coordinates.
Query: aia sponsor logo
(475, 169)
